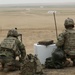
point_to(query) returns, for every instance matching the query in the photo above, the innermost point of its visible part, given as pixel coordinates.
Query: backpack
(9, 43)
(51, 64)
(31, 66)
(59, 55)
(57, 59)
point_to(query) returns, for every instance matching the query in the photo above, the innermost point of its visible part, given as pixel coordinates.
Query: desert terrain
(35, 24)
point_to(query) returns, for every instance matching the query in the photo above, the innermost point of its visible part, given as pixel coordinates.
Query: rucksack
(59, 55)
(57, 59)
(51, 64)
(30, 65)
(9, 43)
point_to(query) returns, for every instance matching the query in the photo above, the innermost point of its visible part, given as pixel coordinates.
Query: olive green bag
(31, 66)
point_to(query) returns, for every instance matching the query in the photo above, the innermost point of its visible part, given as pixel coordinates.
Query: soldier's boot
(8, 69)
(11, 66)
(68, 63)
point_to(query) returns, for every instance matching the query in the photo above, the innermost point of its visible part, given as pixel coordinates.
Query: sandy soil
(65, 71)
(35, 24)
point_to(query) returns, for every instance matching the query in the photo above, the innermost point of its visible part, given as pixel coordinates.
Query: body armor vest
(9, 43)
(69, 43)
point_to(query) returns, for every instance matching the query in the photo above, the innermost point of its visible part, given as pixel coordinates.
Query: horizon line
(61, 3)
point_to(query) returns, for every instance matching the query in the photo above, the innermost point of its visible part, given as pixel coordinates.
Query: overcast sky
(33, 1)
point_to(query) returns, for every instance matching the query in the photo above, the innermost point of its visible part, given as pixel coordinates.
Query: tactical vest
(69, 43)
(9, 43)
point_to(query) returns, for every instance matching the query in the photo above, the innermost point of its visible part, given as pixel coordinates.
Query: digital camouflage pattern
(67, 38)
(69, 22)
(70, 41)
(12, 66)
(31, 66)
(10, 48)
(12, 32)
(9, 43)
(28, 68)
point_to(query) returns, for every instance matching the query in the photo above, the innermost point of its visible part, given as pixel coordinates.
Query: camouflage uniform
(67, 38)
(11, 47)
(31, 66)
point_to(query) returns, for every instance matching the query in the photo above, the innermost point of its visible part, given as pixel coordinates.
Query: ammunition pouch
(71, 54)
(17, 53)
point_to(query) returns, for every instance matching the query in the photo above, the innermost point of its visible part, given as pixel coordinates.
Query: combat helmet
(12, 32)
(69, 23)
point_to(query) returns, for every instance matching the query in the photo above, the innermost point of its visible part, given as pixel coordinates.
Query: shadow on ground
(65, 71)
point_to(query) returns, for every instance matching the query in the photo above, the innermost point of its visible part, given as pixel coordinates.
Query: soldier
(67, 39)
(10, 48)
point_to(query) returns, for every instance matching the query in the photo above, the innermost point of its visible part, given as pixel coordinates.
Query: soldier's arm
(60, 40)
(21, 49)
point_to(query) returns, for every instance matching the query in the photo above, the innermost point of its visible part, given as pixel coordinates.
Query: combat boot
(5, 70)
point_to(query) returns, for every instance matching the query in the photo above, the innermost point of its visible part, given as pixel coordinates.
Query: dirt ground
(65, 71)
(35, 24)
